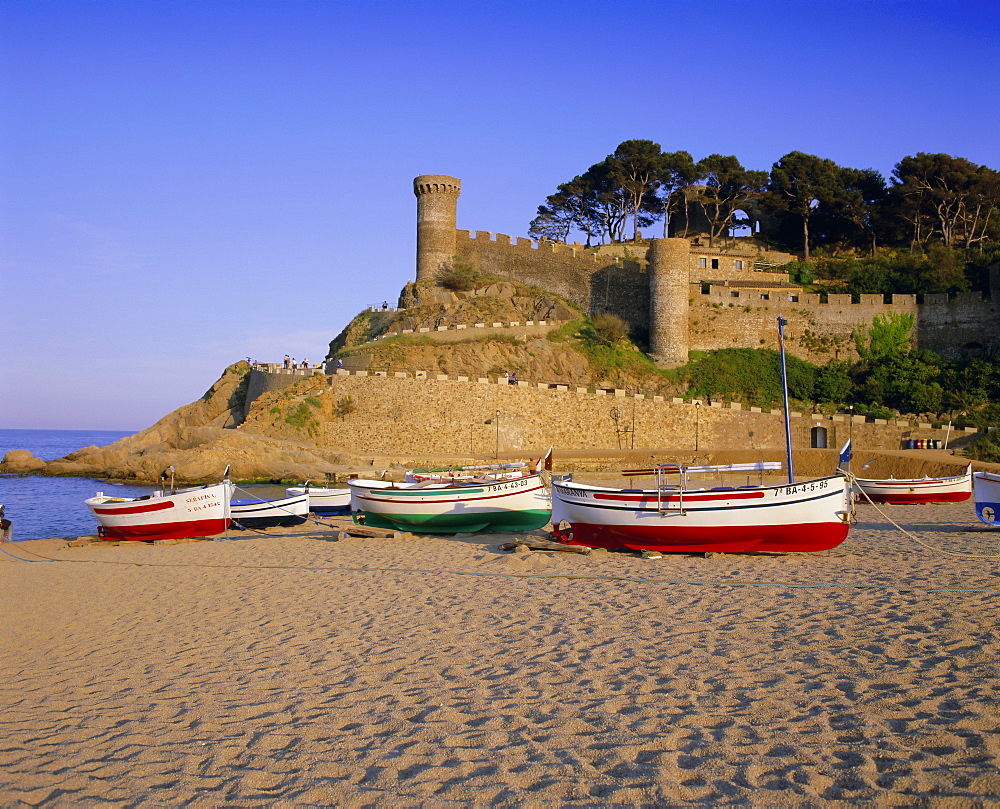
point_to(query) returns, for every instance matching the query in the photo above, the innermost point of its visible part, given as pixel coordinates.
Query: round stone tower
(437, 210)
(669, 279)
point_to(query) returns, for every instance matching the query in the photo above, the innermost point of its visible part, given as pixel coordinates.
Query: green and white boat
(465, 506)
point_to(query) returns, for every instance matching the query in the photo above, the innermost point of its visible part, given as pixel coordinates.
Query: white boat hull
(324, 501)
(955, 489)
(987, 485)
(506, 505)
(812, 515)
(187, 513)
(269, 513)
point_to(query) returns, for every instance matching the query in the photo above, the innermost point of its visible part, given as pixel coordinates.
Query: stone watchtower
(668, 300)
(437, 209)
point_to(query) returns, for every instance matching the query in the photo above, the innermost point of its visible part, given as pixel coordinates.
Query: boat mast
(784, 395)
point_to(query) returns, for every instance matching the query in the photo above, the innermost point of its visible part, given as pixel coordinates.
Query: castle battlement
(659, 292)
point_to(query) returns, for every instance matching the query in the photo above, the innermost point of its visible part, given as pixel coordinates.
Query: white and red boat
(954, 489)
(811, 515)
(987, 487)
(199, 512)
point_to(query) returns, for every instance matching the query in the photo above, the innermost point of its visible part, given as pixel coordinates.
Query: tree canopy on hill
(806, 204)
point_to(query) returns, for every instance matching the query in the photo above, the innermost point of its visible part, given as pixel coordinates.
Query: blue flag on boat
(845, 452)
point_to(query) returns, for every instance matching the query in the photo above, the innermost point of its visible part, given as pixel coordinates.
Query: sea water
(41, 507)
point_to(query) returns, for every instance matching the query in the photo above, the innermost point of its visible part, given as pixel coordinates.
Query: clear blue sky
(187, 183)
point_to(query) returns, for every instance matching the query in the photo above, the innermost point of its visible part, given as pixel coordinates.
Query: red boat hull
(197, 512)
(195, 528)
(916, 498)
(804, 538)
(802, 517)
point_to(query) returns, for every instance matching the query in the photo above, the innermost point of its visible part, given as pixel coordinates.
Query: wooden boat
(269, 513)
(197, 512)
(954, 489)
(440, 507)
(987, 487)
(324, 501)
(812, 515)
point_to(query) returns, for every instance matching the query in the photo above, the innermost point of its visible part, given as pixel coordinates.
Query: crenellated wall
(459, 415)
(819, 332)
(649, 292)
(593, 282)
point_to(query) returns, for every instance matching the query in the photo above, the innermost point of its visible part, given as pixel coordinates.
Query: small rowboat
(812, 515)
(437, 507)
(199, 512)
(269, 513)
(987, 486)
(324, 501)
(955, 489)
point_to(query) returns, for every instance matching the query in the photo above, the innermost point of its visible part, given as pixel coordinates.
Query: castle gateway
(678, 295)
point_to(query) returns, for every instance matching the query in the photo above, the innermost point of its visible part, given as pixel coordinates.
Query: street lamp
(697, 423)
(496, 452)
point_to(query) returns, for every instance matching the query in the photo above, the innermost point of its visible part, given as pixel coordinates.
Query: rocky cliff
(198, 440)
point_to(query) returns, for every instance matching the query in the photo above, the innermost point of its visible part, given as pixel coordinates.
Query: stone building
(679, 295)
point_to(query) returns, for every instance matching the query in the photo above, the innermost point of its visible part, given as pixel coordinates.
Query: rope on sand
(19, 559)
(280, 508)
(537, 576)
(914, 537)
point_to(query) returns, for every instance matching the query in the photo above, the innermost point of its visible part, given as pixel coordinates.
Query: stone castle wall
(821, 332)
(457, 415)
(595, 283)
(648, 290)
(967, 324)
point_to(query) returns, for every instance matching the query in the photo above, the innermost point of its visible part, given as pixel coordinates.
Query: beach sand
(302, 670)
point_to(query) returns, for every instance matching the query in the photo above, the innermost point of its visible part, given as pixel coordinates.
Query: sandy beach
(302, 669)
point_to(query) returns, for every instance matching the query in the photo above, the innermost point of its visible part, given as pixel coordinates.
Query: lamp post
(496, 452)
(697, 423)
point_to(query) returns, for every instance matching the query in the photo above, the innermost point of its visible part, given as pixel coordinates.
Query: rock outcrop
(198, 440)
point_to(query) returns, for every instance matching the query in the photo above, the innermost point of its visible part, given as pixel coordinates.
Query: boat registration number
(811, 486)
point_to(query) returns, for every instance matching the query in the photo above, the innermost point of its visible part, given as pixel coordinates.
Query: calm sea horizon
(41, 507)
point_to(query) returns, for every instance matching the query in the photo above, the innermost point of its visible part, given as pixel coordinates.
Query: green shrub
(986, 448)
(462, 276)
(605, 329)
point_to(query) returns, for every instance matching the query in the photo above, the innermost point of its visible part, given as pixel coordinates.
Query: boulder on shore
(21, 461)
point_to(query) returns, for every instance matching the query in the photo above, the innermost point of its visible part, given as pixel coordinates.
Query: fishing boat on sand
(451, 507)
(987, 487)
(198, 512)
(953, 489)
(269, 513)
(324, 502)
(811, 515)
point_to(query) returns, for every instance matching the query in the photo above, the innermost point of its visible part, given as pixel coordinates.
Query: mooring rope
(912, 536)
(536, 576)
(281, 508)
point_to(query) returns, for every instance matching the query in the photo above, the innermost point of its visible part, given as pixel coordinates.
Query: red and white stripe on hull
(956, 489)
(169, 530)
(807, 516)
(188, 513)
